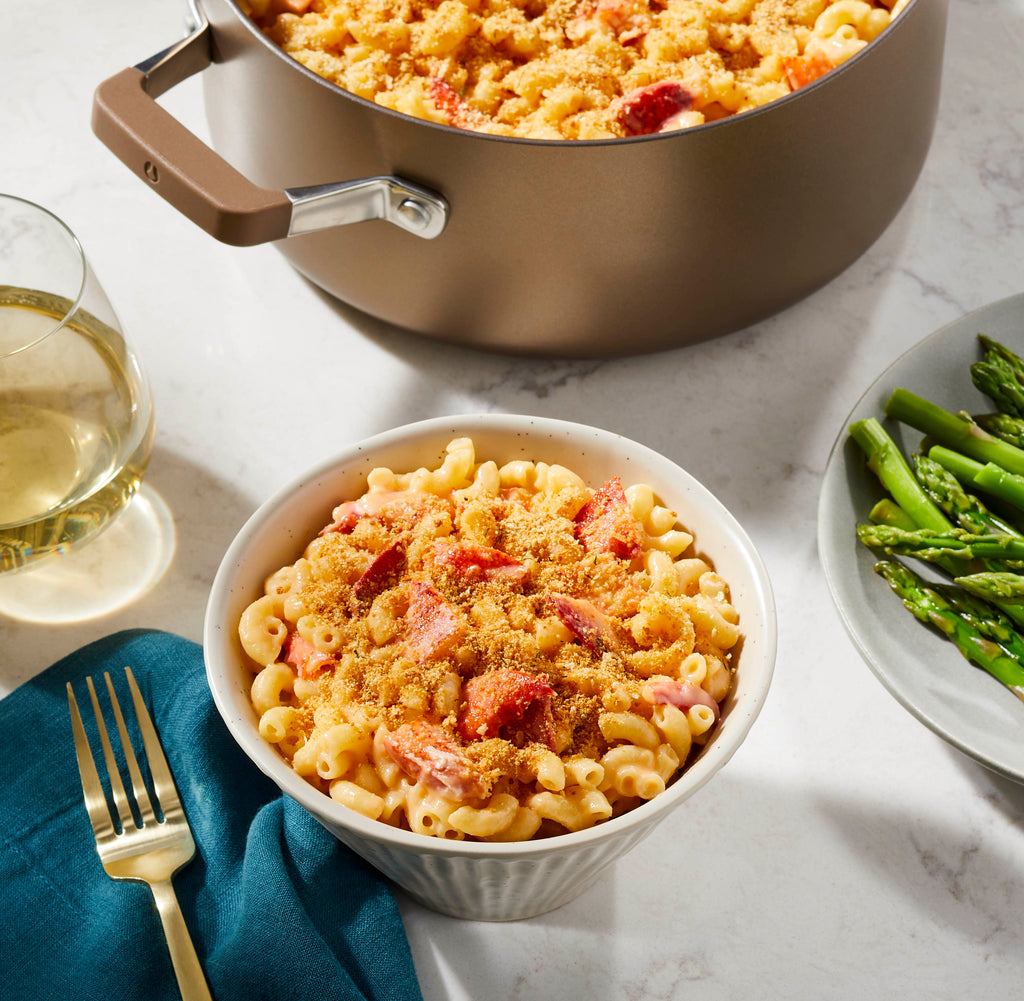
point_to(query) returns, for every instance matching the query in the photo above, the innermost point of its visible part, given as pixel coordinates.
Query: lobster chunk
(681, 694)
(519, 496)
(383, 572)
(427, 754)
(508, 700)
(628, 20)
(605, 523)
(395, 508)
(301, 654)
(453, 106)
(653, 108)
(804, 69)
(433, 628)
(474, 562)
(595, 629)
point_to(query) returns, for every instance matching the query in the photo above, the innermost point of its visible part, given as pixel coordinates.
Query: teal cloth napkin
(277, 907)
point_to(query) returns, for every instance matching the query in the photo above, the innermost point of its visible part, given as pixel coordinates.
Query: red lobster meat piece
(454, 107)
(434, 629)
(301, 654)
(427, 754)
(383, 572)
(628, 19)
(605, 523)
(475, 562)
(805, 69)
(507, 699)
(402, 508)
(650, 109)
(595, 629)
(682, 694)
(517, 495)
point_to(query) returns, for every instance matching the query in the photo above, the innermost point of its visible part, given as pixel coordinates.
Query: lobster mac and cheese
(571, 69)
(492, 653)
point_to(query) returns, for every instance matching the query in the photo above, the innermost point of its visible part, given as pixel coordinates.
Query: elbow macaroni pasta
(492, 653)
(590, 69)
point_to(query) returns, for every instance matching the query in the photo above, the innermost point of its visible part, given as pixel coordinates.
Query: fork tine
(92, 788)
(163, 781)
(124, 809)
(146, 811)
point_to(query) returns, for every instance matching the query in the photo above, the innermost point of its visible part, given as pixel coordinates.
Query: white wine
(76, 428)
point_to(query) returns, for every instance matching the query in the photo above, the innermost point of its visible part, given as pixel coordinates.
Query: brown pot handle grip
(208, 190)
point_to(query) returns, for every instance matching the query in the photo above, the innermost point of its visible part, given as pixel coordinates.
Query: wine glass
(76, 415)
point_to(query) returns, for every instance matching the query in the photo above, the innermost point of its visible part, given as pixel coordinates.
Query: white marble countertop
(845, 850)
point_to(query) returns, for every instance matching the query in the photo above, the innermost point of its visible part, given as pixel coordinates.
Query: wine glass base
(123, 562)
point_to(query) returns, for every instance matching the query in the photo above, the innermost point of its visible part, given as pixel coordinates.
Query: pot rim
(731, 121)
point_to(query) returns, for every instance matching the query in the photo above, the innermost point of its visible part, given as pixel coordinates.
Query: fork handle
(191, 979)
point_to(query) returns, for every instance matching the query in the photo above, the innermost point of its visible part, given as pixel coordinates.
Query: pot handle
(208, 190)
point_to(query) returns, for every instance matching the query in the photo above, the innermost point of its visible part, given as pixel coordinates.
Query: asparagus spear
(953, 431)
(1000, 376)
(954, 544)
(962, 467)
(1002, 586)
(972, 516)
(963, 508)
(995, 379)
(1007, 427)
(886, 461)
(985, 617)
(930, 607)
(987, 476)
(999, 482)
(994, 349)
(888, 512)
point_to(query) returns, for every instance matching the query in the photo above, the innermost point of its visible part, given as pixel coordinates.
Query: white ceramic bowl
(484, 881)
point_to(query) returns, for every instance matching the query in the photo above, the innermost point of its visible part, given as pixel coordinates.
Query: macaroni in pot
(492, 653)
(571, 69)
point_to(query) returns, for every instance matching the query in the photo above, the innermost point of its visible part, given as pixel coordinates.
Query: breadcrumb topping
(570, 69)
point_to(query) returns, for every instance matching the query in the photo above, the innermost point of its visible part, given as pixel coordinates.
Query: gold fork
(148, 848)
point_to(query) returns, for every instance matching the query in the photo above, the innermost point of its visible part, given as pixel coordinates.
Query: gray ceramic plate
(923, 671)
